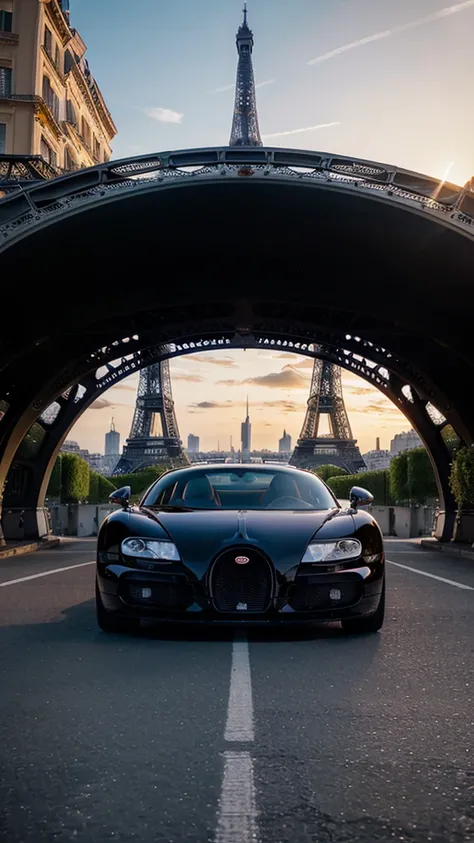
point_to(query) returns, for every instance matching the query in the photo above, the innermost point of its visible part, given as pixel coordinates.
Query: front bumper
(306, 593)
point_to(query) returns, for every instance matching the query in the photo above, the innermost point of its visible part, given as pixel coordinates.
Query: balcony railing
(8, 37)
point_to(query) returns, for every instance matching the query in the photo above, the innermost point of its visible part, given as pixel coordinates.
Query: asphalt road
(188, 736)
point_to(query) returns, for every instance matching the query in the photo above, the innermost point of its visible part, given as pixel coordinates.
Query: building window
(71, 115)
(6, 19)
(50, 98)
(68, 61)
(48, 153)
(69, 161)
(48, 41)
(86, 132)
(96, 148)
(3, 138)
(5, 81)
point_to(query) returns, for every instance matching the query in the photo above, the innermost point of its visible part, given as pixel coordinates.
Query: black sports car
(240, 543)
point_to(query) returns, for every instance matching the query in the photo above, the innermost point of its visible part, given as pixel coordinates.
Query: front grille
(167, 596)
(241, 588)
(311, 596)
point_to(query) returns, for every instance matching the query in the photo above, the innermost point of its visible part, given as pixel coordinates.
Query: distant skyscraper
(193, 443)
(246, 433)
(112, 441)
(284, 444)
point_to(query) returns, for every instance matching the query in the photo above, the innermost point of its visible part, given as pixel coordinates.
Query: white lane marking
(45, 574)
(432, 576)
(237, 813)
(239, 726)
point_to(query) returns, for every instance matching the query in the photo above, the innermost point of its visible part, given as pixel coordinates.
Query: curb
(446, 547)
(22, 549)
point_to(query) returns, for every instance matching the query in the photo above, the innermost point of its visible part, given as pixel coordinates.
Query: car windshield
(240, 488)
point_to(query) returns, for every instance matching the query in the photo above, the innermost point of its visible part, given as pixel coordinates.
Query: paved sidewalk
(458, 549)
(20, 548)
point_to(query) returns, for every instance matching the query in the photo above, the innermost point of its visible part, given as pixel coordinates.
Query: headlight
(337, 551)
(150, 549)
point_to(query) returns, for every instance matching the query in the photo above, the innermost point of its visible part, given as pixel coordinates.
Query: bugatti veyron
(234, 543)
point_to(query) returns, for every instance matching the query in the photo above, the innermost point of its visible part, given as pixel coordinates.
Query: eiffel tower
(338, 447)
(154, 435)
(245, 129)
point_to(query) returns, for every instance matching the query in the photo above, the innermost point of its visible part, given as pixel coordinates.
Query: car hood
(283, 536)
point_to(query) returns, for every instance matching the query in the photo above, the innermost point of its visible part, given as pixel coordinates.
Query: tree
(327, 471)
(462, 477)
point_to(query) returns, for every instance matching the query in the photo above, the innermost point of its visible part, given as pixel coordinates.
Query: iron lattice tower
(154, 436)
(245, 129)
(338, 447)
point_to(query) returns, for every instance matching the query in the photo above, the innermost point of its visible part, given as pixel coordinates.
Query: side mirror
(360, 497)
(121, 496)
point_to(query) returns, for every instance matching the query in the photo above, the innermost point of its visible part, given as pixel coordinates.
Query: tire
(109, 622)
(373, 623)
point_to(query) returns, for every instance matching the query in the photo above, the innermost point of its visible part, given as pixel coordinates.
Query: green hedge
(327, 471)
(140, 481)
(412, 477)
(99, 488)
(376, 482)
(74, 479)
(462, 477)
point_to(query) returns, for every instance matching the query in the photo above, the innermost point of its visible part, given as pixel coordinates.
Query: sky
(387, 80)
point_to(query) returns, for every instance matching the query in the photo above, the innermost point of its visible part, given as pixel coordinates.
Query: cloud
(265, 83)
(305, 129)
(102, 403)
(376, 408)
(306, 363)
(285, 405)
(211, 405)
(223, 88)
(188, 378)
(164, 115)
(387, 33)
(360, 390)
(285, 355)
(126, 387)
(215, 361)
(286, 379)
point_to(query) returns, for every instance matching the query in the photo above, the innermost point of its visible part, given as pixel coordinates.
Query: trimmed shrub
(327, 471)
(75, 478)
(140, 481)
(376, 482)
(462, 477)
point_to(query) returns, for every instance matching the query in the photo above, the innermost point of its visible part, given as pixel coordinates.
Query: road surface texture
(185, 735)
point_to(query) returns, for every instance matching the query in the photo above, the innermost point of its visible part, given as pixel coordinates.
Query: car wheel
(109, 622)
(371, 624)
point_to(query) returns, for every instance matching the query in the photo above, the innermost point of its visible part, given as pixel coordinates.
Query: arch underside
(27, 483)
(380, 282)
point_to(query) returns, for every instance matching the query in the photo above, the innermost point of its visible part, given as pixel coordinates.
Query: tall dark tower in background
(246, 435)
(245, 130)
(338, 447)
(154, 436)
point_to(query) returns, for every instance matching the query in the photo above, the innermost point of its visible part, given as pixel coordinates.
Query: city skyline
(210, 392)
